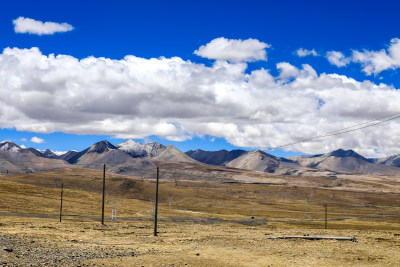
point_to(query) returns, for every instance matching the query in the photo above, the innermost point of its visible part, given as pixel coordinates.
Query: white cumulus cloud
(37, 140)
(176, 99)
(301, 52)
(234, 50)
(28, 25)
(374, 62)
(337, 58)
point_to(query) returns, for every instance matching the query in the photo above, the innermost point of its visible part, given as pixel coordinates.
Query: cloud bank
(176, 99)
(31, 26)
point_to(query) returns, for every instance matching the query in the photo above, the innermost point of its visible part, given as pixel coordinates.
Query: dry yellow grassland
(209, 223)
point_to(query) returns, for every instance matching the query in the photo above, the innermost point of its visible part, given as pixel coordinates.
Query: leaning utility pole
(104, 190)
(156, 205)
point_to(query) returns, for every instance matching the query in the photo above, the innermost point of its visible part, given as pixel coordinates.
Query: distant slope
(15, 159)
(255, 160)
(119, 161)
(100, 153)
(133, 158)
(34, 151)
(341, 153)
(391, 161)
(172, 154)
(345, 161)
(67, 156)
(154, 151)
(49, 154)
(220, 157)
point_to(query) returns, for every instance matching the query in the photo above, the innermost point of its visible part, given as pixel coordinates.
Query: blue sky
(300, 102)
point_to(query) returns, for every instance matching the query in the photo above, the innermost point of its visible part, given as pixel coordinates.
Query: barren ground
(208, 224)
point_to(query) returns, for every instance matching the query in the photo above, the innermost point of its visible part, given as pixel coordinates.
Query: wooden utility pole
(104, 190)
(326, 215)
(62, 192)
(156, 205)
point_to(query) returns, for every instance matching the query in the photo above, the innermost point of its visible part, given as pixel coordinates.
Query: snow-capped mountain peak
(136, 149)
(130, 145)
(9, 146)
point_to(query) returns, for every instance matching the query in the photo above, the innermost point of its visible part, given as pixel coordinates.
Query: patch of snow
(59, 153)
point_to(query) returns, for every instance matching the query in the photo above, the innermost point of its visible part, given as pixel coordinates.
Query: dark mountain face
(341, 153)
(99, 148)
(391, 161)
(34, 151)
(49, 154)
(220, 157)
(67, 156)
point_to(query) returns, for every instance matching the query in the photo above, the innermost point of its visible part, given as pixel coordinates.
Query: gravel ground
(37, 242)
(26, 252)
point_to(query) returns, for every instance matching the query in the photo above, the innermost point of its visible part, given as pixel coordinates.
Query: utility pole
(62, 192)
(170, 201)
(326, 215)
(104, 190)
(156, 206)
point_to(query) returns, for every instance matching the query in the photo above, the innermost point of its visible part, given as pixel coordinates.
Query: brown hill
(255, 160)
(172, 154)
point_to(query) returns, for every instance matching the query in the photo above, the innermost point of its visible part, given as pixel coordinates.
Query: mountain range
(133, 158)
(15, 159)
(341, 161)
(129, 157)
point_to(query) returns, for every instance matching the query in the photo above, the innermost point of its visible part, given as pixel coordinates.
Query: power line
(348, 129)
